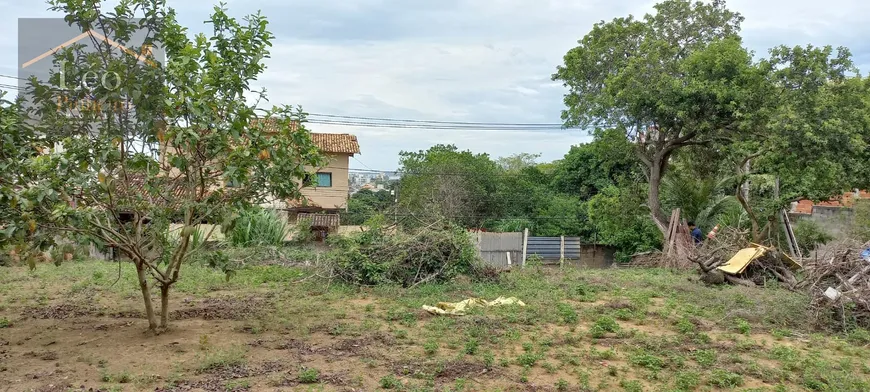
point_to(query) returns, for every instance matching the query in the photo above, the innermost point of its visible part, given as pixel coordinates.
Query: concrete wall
(834, 220)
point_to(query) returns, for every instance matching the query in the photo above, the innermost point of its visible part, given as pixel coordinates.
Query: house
(326, 188)
(329, 186)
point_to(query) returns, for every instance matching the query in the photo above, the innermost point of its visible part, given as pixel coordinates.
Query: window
(324, 179)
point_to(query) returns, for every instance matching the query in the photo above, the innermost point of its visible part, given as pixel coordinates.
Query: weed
(471, 346)
(430, 347)
(528, 359)
(237, 385)
(647, 360)
(528, 347)
(5, 323)
(220, 358)
(743, 326)
(390, 382)
(602, 355)
(567, 313)
(308, 376)
(612, 371)
(369, 308)
(401, 334)
(705, 358)
(488, 359)
(779, 334)
(685, 326)
(603, 325)
(549, 367)
(687, 380)
(562, 385)
(725, 379)
(631, 386)
(203, 342)
(859, 336)
(504, 362)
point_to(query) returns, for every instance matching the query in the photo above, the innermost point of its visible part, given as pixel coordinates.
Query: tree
(620, 220)
(159, 146)
(364, 204)
(816, 110)
(589, 168)
(517, 162)
(443, 182)
(676, 78)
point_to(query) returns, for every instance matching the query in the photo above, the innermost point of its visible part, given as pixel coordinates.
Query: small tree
(177, 141)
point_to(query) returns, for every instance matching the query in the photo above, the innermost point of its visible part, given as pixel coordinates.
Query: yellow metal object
(459, 308)
(742, 259)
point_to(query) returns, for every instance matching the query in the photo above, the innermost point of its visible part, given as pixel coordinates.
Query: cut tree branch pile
(839, 283)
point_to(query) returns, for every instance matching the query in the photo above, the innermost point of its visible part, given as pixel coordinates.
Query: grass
(589, 330)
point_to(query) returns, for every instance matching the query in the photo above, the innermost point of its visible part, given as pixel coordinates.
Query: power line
(436, 126)
(384, 119)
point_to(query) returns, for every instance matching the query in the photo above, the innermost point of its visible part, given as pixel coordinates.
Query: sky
(457, 60)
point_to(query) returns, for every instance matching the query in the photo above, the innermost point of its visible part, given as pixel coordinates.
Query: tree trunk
(146, 296)
(164, 306)
(656, 172)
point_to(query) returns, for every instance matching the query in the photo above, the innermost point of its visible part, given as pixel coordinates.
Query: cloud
(463, 60)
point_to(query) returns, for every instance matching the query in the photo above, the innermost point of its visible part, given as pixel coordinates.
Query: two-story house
(329, 193)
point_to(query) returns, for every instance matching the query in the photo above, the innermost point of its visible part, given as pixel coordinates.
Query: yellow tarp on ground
(459, 308)
(742, 259)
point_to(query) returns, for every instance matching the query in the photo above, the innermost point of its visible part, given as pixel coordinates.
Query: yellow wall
(333, 197)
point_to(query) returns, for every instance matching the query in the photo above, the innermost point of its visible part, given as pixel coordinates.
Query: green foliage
(444, 182)
(195, 108)
(377, 257)
(621, 221)
(308, 376)
(860, 227)
(257, 226)
(810, 235)
(430, 347)
(567, 313)
(390, 382)
(589, 168)
(364, 204)
(631, 385)
(742, 326)
(725, 379)
(471, 345)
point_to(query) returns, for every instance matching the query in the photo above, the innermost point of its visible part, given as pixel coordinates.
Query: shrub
(257, 226)
(725, 379)
(375, 256)
(809, 235)
(390, 382)
(309, 376)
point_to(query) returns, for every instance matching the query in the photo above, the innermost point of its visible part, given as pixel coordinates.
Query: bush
(258, 227)
(375, 256)
(809, 235)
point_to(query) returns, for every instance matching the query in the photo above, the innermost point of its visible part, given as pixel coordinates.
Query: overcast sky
(458, 60)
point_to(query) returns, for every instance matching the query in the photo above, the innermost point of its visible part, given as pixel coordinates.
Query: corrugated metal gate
(550, 248)
(494, 248)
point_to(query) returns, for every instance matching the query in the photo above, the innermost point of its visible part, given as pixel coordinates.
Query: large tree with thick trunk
(675, 78)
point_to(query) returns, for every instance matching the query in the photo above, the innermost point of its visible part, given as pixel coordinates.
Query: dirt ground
(70, 328)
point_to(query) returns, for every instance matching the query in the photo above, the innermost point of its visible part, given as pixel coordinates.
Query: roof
(846, 200)
(336, 143)
(320, 220)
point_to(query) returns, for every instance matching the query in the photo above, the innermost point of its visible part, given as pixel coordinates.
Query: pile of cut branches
(377, 256)
(839, 283)
(716, 252)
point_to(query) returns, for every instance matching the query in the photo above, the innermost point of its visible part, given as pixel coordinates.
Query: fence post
(525, 245)
(562, 252)
(509, 258)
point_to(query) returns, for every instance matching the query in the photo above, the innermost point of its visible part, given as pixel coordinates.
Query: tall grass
(258, 227)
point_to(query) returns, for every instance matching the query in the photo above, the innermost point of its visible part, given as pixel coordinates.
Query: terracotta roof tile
(337, 143)
(341, 143)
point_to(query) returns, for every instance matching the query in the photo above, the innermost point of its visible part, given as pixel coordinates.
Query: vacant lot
(78, 326)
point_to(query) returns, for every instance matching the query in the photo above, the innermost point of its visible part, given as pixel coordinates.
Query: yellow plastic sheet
(742, 259)
(459, 308)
